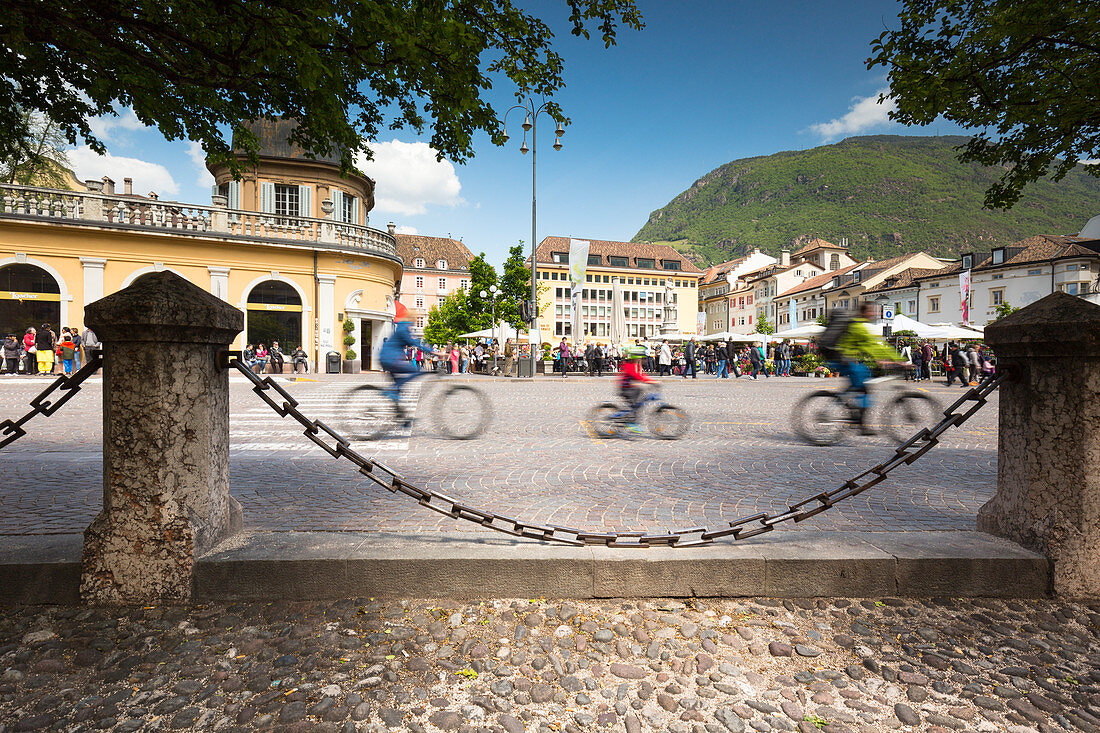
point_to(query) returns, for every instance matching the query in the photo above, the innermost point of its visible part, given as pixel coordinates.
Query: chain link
(923, 441)
(46, 403)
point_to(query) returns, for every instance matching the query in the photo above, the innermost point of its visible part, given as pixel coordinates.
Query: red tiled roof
(631, 250)
(712, 272)
(819, 280)
(433, 249)
(816, 243)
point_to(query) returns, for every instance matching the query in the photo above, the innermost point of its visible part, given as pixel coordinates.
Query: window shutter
(354, 210)
(234, 194)
(338, 204)
(267, 198)
(305, 200)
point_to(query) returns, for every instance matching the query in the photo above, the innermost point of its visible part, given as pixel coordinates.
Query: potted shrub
(350, 363)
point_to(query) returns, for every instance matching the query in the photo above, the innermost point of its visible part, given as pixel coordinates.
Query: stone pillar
(1048, 473)
(165, 440)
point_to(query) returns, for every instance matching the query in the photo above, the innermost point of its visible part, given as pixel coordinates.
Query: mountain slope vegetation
(887, 194)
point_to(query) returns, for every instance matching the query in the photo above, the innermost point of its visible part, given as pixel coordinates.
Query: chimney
(391, 228)
(785, 258)
(108, 186)
(128, 186)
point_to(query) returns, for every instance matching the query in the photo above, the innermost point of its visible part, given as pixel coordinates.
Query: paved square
(536, 462)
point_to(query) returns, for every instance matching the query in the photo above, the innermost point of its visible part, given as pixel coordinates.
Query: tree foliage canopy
(1025, 74)
(39, 158)
(344, 69)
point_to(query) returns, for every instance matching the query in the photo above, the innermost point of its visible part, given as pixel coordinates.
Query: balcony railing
(49, 203)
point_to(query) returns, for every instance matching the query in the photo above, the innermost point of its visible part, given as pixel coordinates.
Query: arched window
(441, 264)
(29, 296)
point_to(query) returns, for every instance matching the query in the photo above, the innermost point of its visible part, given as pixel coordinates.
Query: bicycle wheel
(821, 417)
(668, 422)
(367, 413)
(908, 413)
(463, 412)
(601, 419)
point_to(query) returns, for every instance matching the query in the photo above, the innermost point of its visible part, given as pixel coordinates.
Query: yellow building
(644, 272)
(287, 244)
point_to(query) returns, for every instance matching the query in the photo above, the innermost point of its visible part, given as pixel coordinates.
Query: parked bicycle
(459, 411)
(612, 419)
(821, 417)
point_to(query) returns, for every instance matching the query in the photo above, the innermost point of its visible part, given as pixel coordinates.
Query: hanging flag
(578, 266)
(964, 294)
(792, 314)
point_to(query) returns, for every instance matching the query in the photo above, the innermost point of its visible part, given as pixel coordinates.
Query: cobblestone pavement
(360, 666)
(536, 462)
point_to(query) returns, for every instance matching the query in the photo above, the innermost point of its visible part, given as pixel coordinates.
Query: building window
(419, 302)
(1035, 272)
(464, 284)
(441, 264)
(646, 262)
(286, 200)
(671, 264)
(934, 305)
(617, 261)
(560, 257)
(420, 321)
(418, 262)
(911, 306)
(594, 259)
(1075, 288)
(834, 262)
(347, 211)
(968, 262)
(999, 256)
(998, 276)
(442, 284)
(997, 296)
(1070, 268)
(419, 281)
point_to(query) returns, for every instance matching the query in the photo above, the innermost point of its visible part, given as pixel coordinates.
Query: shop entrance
(274, 314)
(29, 296)
(366, 331)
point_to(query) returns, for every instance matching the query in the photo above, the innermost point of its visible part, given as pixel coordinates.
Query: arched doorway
(29, 296)
(274, 314)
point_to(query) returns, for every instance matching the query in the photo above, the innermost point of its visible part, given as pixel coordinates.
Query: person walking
(599, 355)
(955, 364)
(917, 358)
(927, 355)
(45, 343)
(509, 357)
(720, 357)
(731, 359)
(589, 359)
(75, 337)
(975, 365)
(664, 360)
(452, 357)
(689, 358)
(89, 343)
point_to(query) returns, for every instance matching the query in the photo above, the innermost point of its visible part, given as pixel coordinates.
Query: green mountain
(888, 194)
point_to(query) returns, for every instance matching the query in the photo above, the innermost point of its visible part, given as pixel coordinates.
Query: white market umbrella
(618, 315)
(955, 332)
(905, 323)
(801, 332)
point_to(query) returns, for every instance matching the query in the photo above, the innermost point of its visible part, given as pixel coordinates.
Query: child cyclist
(630, 377)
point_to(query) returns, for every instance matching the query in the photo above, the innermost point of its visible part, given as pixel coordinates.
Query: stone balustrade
(214, 220)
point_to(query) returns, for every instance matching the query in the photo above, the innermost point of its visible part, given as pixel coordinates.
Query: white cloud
(405, 229)
(410, 179)
(147, 176)
(198, 157)
(864, 113)
(104, 127)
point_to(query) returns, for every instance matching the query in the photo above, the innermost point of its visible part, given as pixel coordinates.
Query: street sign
(887, 313)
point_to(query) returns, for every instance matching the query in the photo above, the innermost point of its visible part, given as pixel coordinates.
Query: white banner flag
(964, 294)
(578, 266)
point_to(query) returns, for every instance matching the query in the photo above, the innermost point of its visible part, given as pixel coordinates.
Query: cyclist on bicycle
(393, 358)
(630, 376)
(850, 345)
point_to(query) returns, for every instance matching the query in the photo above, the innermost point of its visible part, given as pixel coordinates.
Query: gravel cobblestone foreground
(362, 666)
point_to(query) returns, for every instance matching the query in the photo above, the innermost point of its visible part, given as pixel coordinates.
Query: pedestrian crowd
(41, 351)
(965, 363)
(690, 359)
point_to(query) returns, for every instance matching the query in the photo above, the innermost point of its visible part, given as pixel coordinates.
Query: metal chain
(741, 529)
(69, 385)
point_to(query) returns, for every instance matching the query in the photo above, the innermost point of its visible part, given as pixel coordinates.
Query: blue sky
(703, 84)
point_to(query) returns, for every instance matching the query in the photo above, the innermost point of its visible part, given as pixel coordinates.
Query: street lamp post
(493, 290)
(532, 114)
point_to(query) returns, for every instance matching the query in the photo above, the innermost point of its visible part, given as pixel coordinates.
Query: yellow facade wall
(58, 248)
